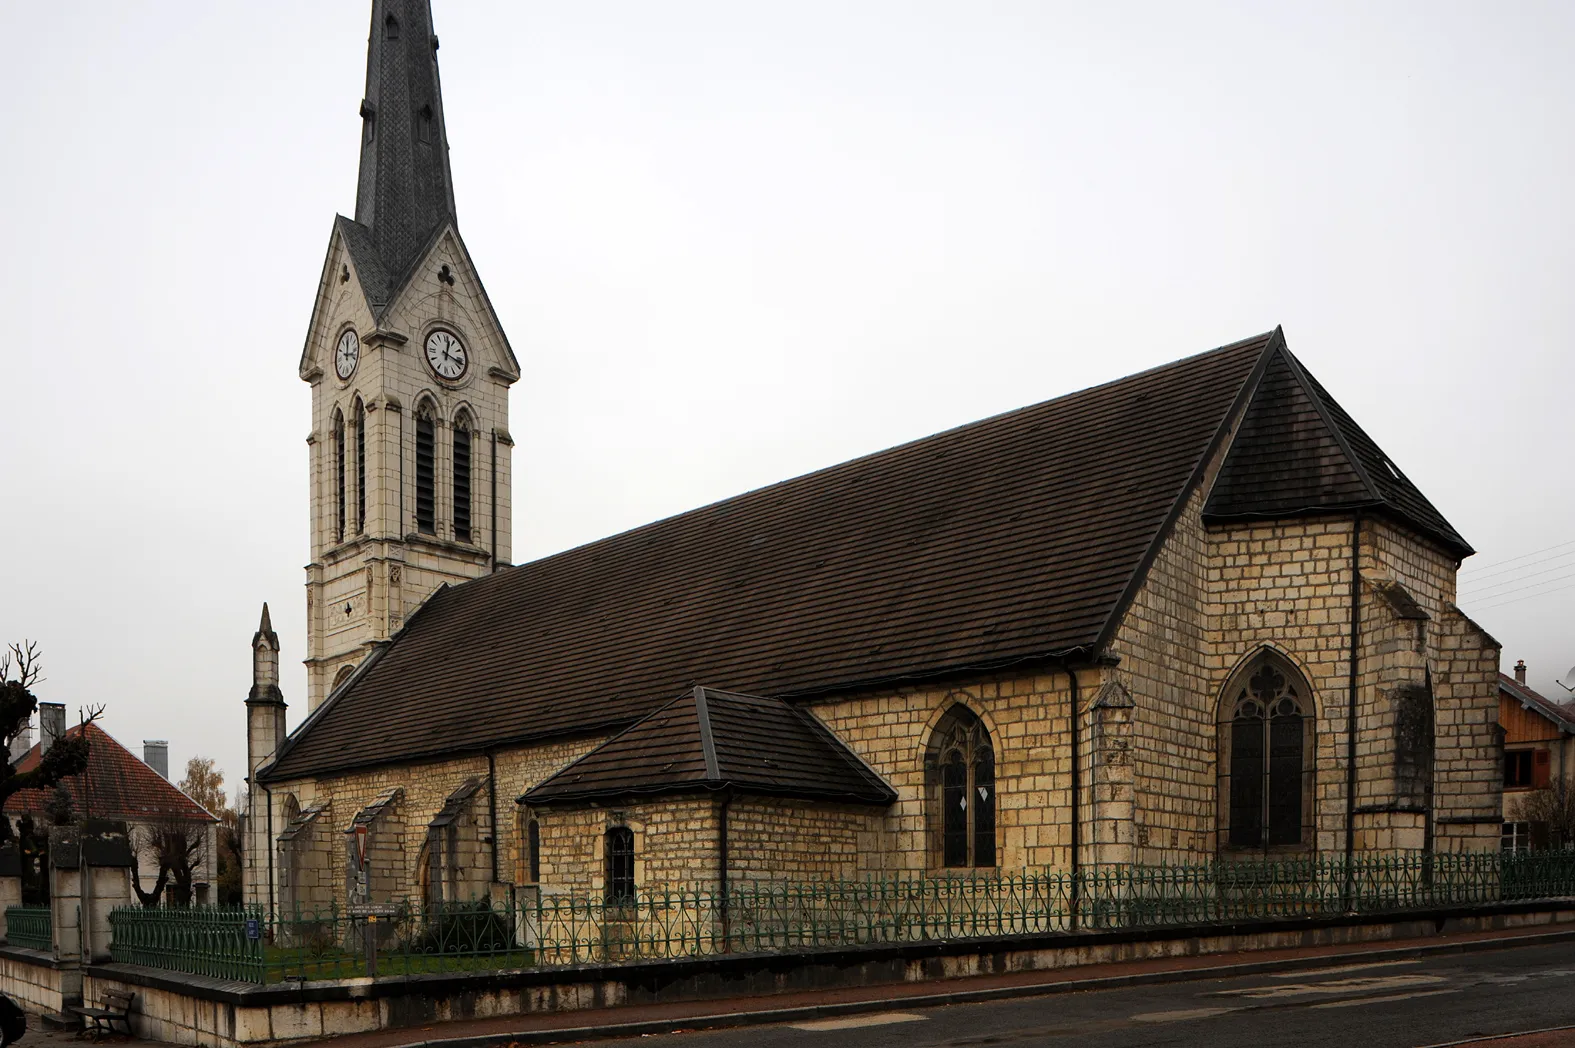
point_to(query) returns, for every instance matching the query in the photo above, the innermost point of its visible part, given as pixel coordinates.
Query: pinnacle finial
(265, 626)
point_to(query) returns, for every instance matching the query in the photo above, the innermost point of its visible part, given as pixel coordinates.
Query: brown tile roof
(1017, 538)
(1299, 454)
(116, 785)
(710, 740)
(1560, 714)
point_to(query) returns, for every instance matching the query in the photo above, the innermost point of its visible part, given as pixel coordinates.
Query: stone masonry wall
(774, 839)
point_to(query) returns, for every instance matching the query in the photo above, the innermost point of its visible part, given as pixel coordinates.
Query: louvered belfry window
(462, 480)
(426, 473)
(620, 865)
(339, 476)
(360, 468)
(965, 759)
(1267, 734)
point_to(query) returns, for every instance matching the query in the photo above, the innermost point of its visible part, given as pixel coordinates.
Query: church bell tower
(410, 373)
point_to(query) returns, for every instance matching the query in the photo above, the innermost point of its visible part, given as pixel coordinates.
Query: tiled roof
(1562, 715)
(710, 740)
(1298, 454)
(1019, 537)
(116, 785)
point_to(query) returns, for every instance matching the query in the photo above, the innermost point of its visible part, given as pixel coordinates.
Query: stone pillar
(10, 880)
(106, 880)
(1110, 782)
(65, 893)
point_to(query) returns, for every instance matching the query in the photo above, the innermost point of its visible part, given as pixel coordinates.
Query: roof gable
(1558, 714)
(1298, 453)
(1019, 537)
(711, 740)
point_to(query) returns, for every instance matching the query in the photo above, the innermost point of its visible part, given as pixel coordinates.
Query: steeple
(405, 189)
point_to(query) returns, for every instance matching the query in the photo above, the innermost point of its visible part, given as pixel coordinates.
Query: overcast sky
(733, 242)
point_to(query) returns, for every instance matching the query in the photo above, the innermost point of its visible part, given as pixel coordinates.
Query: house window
(1517, 771)
(962, 764)
(339, 476)
(426, 472)
(1265, 741)
(620, 865)
(462, 479)
(360, 468)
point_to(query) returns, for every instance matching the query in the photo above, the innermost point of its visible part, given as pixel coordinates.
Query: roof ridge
(707, 741)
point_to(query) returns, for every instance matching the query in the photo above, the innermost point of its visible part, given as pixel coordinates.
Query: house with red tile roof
(119, 785)
(1539, 750)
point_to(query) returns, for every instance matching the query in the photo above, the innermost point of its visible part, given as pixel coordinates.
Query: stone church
(1195, 613)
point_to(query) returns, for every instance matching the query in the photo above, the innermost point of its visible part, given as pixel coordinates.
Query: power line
(1487, 591)
(1528, 596)
(1520, 567)
(1523, 556)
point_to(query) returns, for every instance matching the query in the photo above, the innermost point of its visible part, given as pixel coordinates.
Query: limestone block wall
(1027, 715)
(675, 845)
(774, 839)
(426, 786)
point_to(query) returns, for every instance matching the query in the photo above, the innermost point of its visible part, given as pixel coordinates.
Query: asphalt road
(1392, 1004)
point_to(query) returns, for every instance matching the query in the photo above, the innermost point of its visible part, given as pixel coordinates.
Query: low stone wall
(36, 982)
(218, 1014)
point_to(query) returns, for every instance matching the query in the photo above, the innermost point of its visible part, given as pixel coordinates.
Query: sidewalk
(635, 1020)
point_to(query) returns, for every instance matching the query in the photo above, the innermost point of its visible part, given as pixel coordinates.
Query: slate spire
(405, 189)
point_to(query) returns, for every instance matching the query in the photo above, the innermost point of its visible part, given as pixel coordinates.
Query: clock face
(447, 355)
(347, 354)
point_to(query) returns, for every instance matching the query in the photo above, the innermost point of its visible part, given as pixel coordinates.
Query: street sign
(253, 928)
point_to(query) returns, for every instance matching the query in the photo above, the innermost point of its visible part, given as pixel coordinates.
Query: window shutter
(1541, 763)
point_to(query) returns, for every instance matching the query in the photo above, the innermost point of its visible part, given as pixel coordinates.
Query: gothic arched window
(462, 446)
(339, 475)
(360, 467)
(426, 470)
(961, 768)
(1266, 728)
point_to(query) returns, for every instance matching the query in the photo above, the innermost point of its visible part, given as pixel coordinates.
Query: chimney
(156, 755)
(51, 724)
(22, 743)
(1520, 672)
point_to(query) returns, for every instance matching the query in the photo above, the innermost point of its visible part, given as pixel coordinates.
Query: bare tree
(176, 847)
(20, 671)
(1553, 807)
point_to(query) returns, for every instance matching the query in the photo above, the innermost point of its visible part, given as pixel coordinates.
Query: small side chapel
(1191, 614)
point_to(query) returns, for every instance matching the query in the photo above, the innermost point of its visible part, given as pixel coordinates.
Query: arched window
(961, 768)
(390, 28)
(462, 478)
(619, 846)
(360, 467)
(339, 475)
(1266, 755)
(426, 470)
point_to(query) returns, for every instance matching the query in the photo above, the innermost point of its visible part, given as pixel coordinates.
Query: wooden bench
(116, 1009)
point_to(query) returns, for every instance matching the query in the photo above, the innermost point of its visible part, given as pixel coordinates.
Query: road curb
(767, 1016)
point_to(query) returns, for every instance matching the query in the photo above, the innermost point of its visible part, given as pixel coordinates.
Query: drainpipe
(494, 475)
(721, 869)
(268, 850)
(492, 809)
(1350, 712)
(1072, 702)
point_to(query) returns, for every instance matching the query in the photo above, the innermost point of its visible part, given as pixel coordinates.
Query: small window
(1518, 770)
(620, 866)
(339, 476)
(390, 28)
(426, 473)
(424, 125)
(533, 849)
(360, 468)
(462, 480)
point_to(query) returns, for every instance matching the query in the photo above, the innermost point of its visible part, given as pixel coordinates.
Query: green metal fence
(569, 928)
(29, 927)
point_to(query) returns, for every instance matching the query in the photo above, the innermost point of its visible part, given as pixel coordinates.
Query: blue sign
(253, 928)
